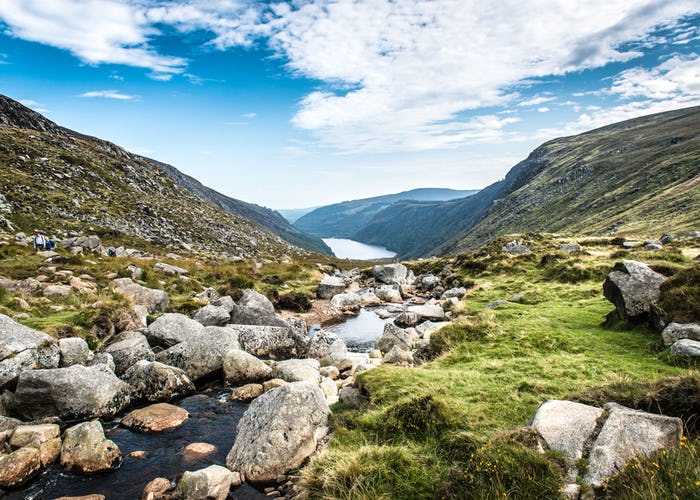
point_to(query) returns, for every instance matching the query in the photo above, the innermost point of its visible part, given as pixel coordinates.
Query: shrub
(416, 418)
(233, 285)
(295, 301)
(680, 296)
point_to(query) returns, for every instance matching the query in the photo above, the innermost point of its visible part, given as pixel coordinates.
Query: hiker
(39, 240)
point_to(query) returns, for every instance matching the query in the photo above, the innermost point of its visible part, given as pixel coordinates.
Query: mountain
(292, 214)
(345, 219)
(50, 174)
(640, 176)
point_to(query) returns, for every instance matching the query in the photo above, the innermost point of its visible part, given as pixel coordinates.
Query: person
(39, 240)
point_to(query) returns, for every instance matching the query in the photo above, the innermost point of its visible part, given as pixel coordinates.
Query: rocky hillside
(60, 180)
(633, 177)
(344, 220)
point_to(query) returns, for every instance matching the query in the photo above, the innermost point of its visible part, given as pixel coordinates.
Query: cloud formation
(108, 94)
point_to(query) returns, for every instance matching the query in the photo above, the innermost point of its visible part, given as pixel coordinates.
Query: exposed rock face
(253, 308)
(633, 287)
(320, 344)
(686, 347)
(211, 315)
(129, 351)
(172, 328)
(18, 466)
(330, 286)
(155, 418)
(22, 348)
(212, 483)
(272, 439)
(75, 351)
(154, 300)
(155, 381)
(73, 392)
(203, 354)
(393, 336)
(241, 368)
(298, 370)
(676, 331)
(391, 274)
(273, 341)
(85, 448)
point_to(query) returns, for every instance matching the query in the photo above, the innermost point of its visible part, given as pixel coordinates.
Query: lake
(350, 249)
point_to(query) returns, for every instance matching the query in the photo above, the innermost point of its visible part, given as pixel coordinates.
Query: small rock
(685, 347)
(18, 466)
(156, 488)
(155, 418)
(247, 392)
(75, 351)
(213, 483)
(34, 435)
(196, 451)
(274, 383)
(85, 448)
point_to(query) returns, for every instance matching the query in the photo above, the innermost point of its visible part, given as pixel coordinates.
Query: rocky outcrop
(71, 393)
(22, 348)
(330, 286)
(212, 483)
(242, 368)
(202, 355)
(154, 300)
(633, 287)
(155, 418)
(155, 381)
(272, 439)
(85, 448)
(129, 351)
(172, 328)
(271, 341)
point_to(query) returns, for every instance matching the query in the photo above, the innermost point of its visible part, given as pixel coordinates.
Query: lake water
(350, 249)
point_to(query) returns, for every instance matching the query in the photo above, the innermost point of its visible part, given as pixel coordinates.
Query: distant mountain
(344, 220)
(640, 176)
(292, 214)
(61, 180)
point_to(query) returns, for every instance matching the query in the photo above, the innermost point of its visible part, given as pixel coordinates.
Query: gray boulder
(226, 302)
(253, 308)
(427, 328)
(211, 483)
(127, 352)
(392, 274)
(398, 356)
(211, 315)
(431, 312)
(202, 355)
(457, 293)
(406, 319)
(320, 344)
(298, 370)
(154, 381)
(173, 328)
(207, 296)
(70, 393)
(330, 286)
(338, 356)
(353, 397)
(677, 331)
(388, 293)
(23, 348)
(85, 448)
(516, 247)
(272, 439)
(242, 368)
(633, 287)
(170, 269)
(347, 301)
(393, 336)
(685, 347)
(75, 351)
(154, 300)
(271, 341)
(569, 247)
(427, 282)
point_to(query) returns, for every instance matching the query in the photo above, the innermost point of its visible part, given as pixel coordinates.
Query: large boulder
(172, 328)
(330, 286)
(154, 300)
(392, 274)
(320, 344)
(677, 331)
(430, 312)
(212, 483)
(211, 315)
(393, 336)
(347, 301)
(298, 370)
(128, 351)
(685, 347)
(85, 448)
(155, 381)
(271, 341)
(202, 355)
(388, 293)
(23, 348)
(272, 439)
(70, 393)
(254, 308)
(633, 287)
(75, 351)
(242, 368)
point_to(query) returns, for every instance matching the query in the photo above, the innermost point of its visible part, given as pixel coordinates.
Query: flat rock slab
(155, 418)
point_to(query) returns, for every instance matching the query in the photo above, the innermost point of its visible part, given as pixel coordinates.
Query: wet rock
(685, 347)
(94, 496)
(23, 348)
(330, 286)
(197, 451)
(320, 344)
(203, 354)
(154, 300)
(172, 328)
(18, 466)
(271, 341)
(70, 393)
(75, 351)
(129, 351)
(154, 381)
(678, 331)
(155, 418)
(156, 489)
(633, 287)
(211, 315)
(272, 439)
(247, 392)
(212, 483)
(241, 368)
(298, 370)
(85, 448)
(393, 336)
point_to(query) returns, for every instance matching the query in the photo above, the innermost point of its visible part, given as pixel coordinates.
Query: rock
(330, 372)
(253, 308)
(154, 300)
(49, 451)
(155, 381)
(170, 269)
(22, 348)
(202, 355)
(207, 296)
(368, 298)
(407, 319)
(456, 293)
(653, 246)
(86, 449)
(241, 368)
(135, 272)
(155, 418)
(273, 383)
(18, 466)
(7, 427)
(337, 356)
(393, 336)
(627, 433)
(212, 483)
(29, 286)
(685, 347)
(271, 341)
(495, 304)
(105, 359)
(427, 282)
(211, 315)
(330, 390)
(34, 435)
(247, 392)
(388, 293)
(427, 328)
(172, 328)
(226, 302)
(347, 301)
(197, 451)
(353, 397)
(570, 247)
(75, 351)
(320, 344)
(668, 238)
(391, 274)
(516, 247)
(129, 351)
(398, 356)
(431, 312)
(330, 286)
(272, 439)
(70, 393)
(298, 370)
(633, 287)
(156, 489)
(676, 331)
(57, 291)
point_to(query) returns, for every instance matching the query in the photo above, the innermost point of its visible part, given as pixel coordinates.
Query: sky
(311, 102)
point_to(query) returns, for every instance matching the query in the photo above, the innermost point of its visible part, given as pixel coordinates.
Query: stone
(393, 336)
(197, 451)
(85, 448)
(254, 308)
(330, 372)
(298, 370)
(353, 397)
(456, 293)
(226, 302)
(685, 347)
(330, 390)
(50, 450)
(337, 356)
(170, 269)
(653, 246)
(211, 315)
(22, 348)
(57, 291)
(156, 489)
(516, 247)
(7, 427)
(155, 418)
(272, 341)
(18, 466)
(273, 383)
(105, 359)
(347, 301)
(202, 355)
(34, 435)
(677, 331)
(633, 287)
(207, 296)
(129, 351)
(247, 392)
(241, 368)
(427, 328)
(135, 272)
(211, 483)
(172, 328)
(272, 439)
(391, 274)
(75, 351)
(570, 247)
(329, 287)
(431, 312)
(398, 356)
(388, 293)
(407, 319)
(154, 300)
(320, 344)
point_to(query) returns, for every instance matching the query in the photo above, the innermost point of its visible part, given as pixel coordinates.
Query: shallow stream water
(359, 332)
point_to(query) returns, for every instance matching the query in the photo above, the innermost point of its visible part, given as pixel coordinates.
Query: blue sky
(310, 102)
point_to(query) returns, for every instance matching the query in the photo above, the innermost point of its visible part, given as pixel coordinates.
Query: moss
(417, 418)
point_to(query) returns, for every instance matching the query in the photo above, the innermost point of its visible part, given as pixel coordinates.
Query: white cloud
(108, 94)
(249, 115)
(536, 100)
(543, 109)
